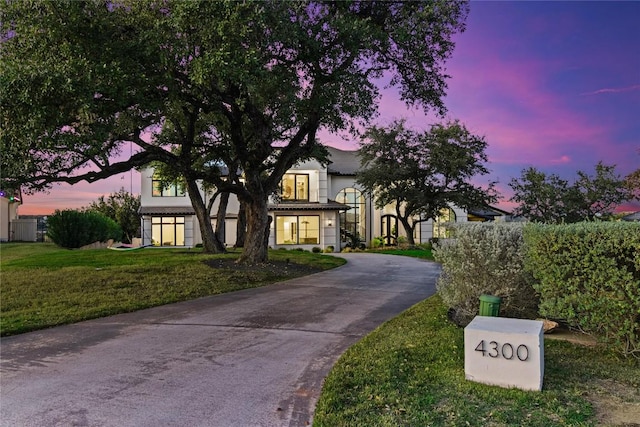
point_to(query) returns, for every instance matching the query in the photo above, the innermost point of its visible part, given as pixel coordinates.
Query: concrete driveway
(250, 358)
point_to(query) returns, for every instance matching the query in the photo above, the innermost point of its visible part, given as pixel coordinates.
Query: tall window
(158, 190)
(439, 224)
(352, 222)
(167, 230)
(295, 187)
(297, 230)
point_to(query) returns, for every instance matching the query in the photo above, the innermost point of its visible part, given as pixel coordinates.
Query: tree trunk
(221, 217)
(241, 227)
(258, 228)
(407, 225)
(210, 242)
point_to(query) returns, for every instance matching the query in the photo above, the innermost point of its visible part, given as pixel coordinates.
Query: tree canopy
(421, 173)
(548, 198)
(122, 207)
(195, 84)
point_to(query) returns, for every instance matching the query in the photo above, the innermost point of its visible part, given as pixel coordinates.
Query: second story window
(158, 190)
(295, 187)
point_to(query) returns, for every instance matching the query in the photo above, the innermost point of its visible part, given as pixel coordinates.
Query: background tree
(246, 83)
(550, 199)
(632, 182)
(423, 173)
(122, 207)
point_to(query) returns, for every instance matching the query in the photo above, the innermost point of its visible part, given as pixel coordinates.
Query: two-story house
(319, 207)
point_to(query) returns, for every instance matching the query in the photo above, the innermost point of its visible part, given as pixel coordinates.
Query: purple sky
(554, 85)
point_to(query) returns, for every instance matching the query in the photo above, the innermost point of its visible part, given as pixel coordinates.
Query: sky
(553, 85)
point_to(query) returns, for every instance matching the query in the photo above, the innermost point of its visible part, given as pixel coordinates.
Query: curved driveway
(250, 358)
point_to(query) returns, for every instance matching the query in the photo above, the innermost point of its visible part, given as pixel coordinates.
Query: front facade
(320, 206)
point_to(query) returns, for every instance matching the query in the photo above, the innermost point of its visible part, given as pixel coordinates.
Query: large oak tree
(195, 84)
(421, 173)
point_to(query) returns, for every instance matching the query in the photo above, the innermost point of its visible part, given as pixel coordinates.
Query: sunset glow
(554, 85)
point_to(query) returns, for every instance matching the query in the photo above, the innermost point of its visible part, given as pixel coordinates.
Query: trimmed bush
(74, 229)
(484, 258)
(589, 276)
(316, 250)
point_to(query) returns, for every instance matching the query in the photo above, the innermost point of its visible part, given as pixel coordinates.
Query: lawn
(410, 372)
(415, 251)
(43, 285)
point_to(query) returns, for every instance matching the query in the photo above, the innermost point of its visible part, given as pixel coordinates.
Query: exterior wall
(8, 213)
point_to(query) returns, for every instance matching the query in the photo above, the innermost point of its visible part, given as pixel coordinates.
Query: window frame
(174, 190)
(438, 229)
(358, 212)
(295, 197)
(162, 224)
(297, 229)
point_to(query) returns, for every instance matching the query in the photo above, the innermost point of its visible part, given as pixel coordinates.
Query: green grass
(422, 251)
(415, 253)
(42, 285)
(410, 372)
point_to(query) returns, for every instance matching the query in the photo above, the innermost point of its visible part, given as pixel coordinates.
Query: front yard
(43, 285)
(410, 372)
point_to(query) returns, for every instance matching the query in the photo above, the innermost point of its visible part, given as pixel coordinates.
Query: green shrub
(484, 258)
(589, 276)
(74, 229)
(329, 249)
(377, 242)
(316, 250)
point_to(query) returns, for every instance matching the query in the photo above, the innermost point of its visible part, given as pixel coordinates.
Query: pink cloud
(613, 90)
(562, 160)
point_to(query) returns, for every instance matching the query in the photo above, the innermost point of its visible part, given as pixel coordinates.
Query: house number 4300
(506, 350)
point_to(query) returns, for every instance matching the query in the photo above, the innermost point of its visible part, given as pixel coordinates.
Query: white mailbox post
(504, 352)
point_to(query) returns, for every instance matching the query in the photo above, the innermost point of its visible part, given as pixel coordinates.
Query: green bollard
(490, 305)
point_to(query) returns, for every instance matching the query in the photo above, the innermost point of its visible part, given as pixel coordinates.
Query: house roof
(342, 162)
(166, 210)
(330, 206)
(487, 212)
(188, 210)
(632, 217)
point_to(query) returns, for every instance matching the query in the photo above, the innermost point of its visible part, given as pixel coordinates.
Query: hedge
(588, 274)
(484, 258)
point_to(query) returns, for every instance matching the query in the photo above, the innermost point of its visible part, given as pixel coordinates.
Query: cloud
(613, 90)
(562, 160)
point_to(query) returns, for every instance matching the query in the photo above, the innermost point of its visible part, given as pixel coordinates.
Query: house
(9, 203)
(320, 206)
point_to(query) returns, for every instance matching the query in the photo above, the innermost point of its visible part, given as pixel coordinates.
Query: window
(439, 224)
(167, 231)
(157, 190)
(352, 222)
(295, 187)
(297, 230)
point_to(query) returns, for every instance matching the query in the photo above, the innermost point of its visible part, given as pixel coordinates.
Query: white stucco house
(320, 207)
(8, 213)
